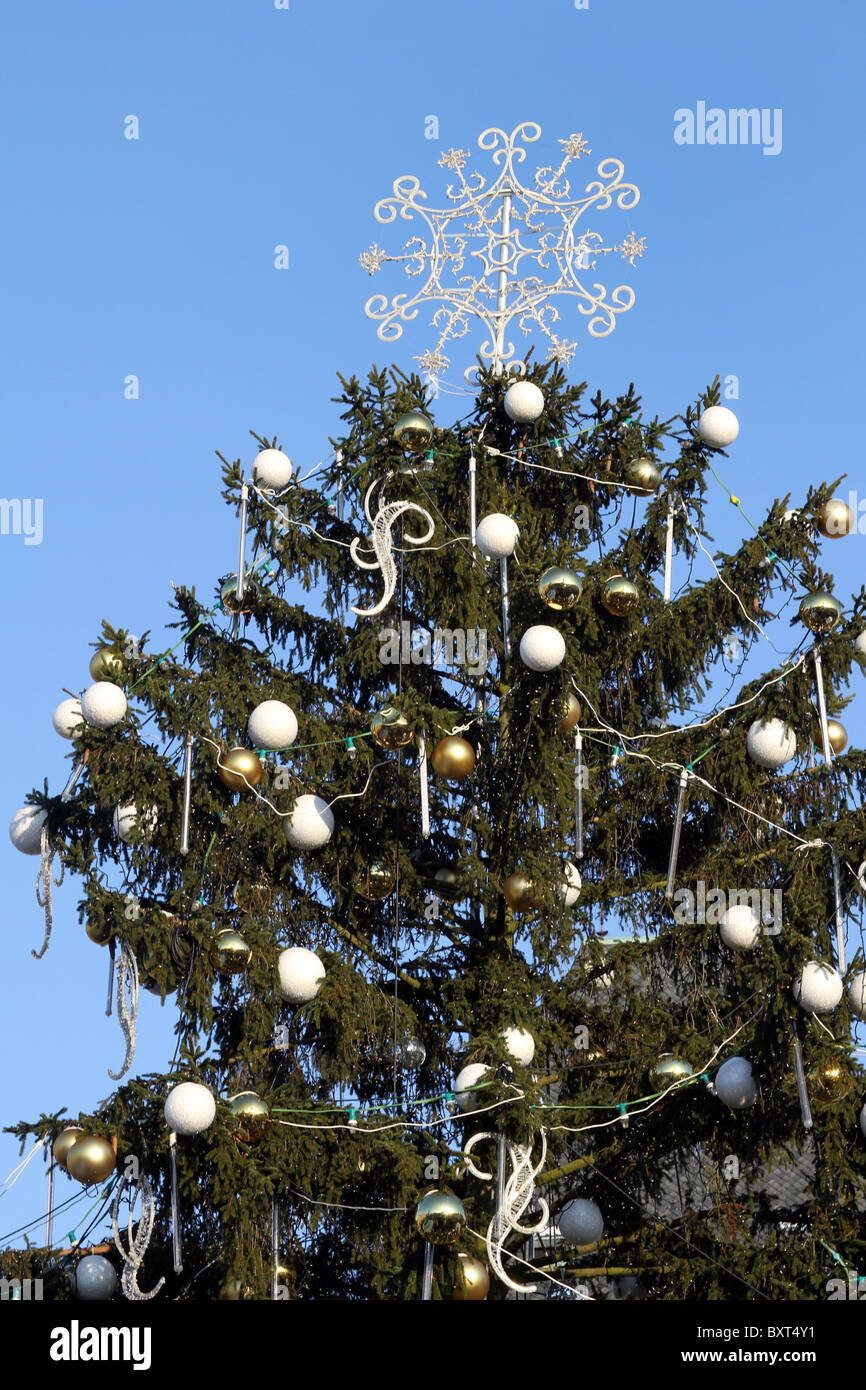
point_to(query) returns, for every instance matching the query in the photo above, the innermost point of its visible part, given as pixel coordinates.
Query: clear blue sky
(155, 257)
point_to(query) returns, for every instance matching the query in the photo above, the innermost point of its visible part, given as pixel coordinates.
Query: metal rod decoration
(669, 550)
(338, 458)
(275, 1248)
(187, 795)
(427, 1277)
(425, 789)
(506, 621)
(472, 513)
(840, 917)
(578, 794)
(801, 1084)
(502, 284)
(50, 1209)
(73, 778)
(110, 978)
(675, 842)
(240, 587)
(176, 1251)
(500, 1184)
(822, 706)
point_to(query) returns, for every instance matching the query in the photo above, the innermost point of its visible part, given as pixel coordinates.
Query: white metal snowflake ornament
(503, 251)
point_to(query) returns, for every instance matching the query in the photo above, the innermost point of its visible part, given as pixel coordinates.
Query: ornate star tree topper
(480, 256)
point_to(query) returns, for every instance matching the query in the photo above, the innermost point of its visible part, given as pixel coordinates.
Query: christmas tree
(372, 843)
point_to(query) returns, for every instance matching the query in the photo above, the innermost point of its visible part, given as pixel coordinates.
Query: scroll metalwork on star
(502, 252)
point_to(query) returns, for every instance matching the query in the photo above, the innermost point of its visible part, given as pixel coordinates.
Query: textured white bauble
(520, 1045)
(126, 820)
(771, 742)
(25, 829)
(524, 402)
(818, 988)
(740, 928)
(857, 994)
(67, 718)
(496, 536)
(735, 1083)
(272, 468)
(311, 823)
(569, 890)
(94, 1279)
(469, 1076)
(581, 1222)
(542, 648)
(860, 644)
(301, 974)
(103, 705)
(863, 1119)
(189, 1108)
(272, 725)
(718, 426)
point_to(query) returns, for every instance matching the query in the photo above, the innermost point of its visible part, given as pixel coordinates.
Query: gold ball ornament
(229, 595)
(559, 588)
(837, 733)
(643, 477)
(620, 596)
(106, 665)
(828, 1081)
(100, 932)
(820, 612)
(453, 758)
(63, 1143)
(240, 769)
(229, 952)
(521, 893)
(91, 1159)
(440, 1218)
(669, 1068)
(391, 728)
(835, 519)
(571, 712)
(472, 1281)
(447, 883)
(376, 881)
(413, 432)
(250, 1114)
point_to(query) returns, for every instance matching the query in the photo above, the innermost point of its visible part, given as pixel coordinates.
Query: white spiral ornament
(134, 1256)
(518, 1194)
(383, 544)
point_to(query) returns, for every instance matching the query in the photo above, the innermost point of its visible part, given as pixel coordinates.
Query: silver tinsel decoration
(134, 1256)
(127, 1005)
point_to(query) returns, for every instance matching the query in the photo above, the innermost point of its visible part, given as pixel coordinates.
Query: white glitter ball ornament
(496, 536)
(735, 1083)
(740, 928)
(857, 994)
(67, 718)
(94, 1279)
(272, 469)
(542, 648)
(272, 725)
(569, 890)
(311, 823)
(103, 705)
(524, 402)
(127, 820)
(469, 1076)
(25, 829)
(301, 974)
(581, 1222)
(190, 1108)
(718, 426)
(520, 1045)
(818, 988)
(771, 743)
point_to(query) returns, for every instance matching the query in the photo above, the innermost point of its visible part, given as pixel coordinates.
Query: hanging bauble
(820, 612)
(229, 595)
(63, 1143)
(471, 1280)
(834, 518)
(240, 769)
(159, 979)
(735, 1083)
(740, 927)
(68, 719)
(375, 880)
(447, 883)
(469, 1076)
(863, 1120)
(106, 665)
(93, 1279)
(521, 893)
(542, 648)
(411, 1053)
(857, 994)
(524, 402)
(620, 596)
(519, 1044)
(818, 988)
(129, 822)
(91, 1159)
(190, 1108)
(100, 933)
(250, 1115)
(453, 758)
(571, 712)
(311, 823)
(560, 589)
(103, 705)
(391, 728)
(496, 536)
(272, 725)
(669, 1069)
(25, 829)
(836, 732)
(860, 648)
(581, 1222)
(718, 426)
(414, 432)
(440, 1218)
(229, 953)
(301, 974)
(272, 469)
(828, 1081)
(643, 476)
(569, 888)
(771, 743)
